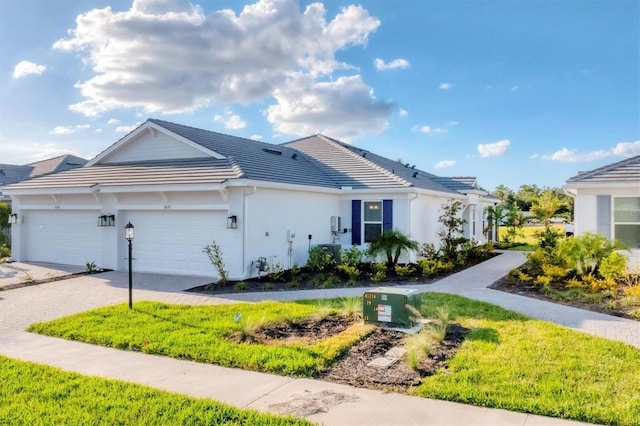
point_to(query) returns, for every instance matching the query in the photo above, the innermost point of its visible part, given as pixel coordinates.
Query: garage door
(62, 236)
(172, 241)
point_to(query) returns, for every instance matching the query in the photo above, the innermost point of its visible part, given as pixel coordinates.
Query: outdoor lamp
(13, 219)
(232, 222)
(128, 234)
(128, 231)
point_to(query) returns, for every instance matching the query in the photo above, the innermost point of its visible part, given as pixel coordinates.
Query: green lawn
(507, 361)
(32, 394)
(200, 333)
(528, 233)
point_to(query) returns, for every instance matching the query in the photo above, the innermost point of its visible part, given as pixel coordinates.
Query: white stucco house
(607, 202)
(183, 187)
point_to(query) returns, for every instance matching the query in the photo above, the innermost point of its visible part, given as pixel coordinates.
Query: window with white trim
(372, 220)
(626, 220)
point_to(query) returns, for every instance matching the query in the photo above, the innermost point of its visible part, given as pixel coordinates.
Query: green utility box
(386, 306)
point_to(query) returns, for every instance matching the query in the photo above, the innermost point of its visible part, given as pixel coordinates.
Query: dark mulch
(352, 368)
(307, 280)
(509, 285)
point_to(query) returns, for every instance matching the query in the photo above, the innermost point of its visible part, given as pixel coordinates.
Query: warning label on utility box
(384, 313)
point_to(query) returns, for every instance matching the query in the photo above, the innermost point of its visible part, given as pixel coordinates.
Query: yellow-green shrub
(543, 280)
(403, 270)
(632, 291)
(574, 283)
(613, 266)
(427, 267)
(555, 272)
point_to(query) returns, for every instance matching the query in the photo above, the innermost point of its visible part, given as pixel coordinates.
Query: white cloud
(445, 86)
(396, 63)
(627, 149)
(98, 130)
(514, 88)
(566, 155)
(425, 129)
(127, 129)
(571, 156)
(62, 130)
(67, 130)
(24, 68)
(533, 156)
(113, 121)
(344, 108)
(453, 123)
(170, 57)
(26, 152)
(494, 149)
(439, 130)
(403, 112)
(444, 164)
(256, 137)
(230, 120)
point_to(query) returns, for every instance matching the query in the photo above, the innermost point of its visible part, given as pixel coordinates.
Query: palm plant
(392, 244)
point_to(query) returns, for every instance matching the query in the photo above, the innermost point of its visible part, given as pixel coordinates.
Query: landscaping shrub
(214, 252)
(450, 232)
(351, 256)
(351, 273)
(276, 272)
(428, 251)
(403, 270)
(392, 244)
(613, 266)
(5, 251)
(427, 267)
(583, 254)
(320, 260)
(379, 272)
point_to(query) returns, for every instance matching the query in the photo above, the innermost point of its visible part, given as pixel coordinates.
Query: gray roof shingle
(627, 171)
(313, 161)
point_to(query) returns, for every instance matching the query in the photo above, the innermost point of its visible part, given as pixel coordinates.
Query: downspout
(245, 274)
(411, 199)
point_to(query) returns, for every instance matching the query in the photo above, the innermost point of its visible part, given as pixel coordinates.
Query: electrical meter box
(387, 306)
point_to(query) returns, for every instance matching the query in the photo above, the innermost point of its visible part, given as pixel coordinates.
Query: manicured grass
(508, 361)
(528, 235)
(516, 363)
(32, 394)
(200, 333)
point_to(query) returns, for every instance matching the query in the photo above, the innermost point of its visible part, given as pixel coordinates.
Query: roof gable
(625, 171)
(151, 142)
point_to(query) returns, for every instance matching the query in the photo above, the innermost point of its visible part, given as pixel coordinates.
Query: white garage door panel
(62, 236)
(172, 241)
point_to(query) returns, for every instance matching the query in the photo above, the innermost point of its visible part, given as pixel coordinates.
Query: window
(372, 220)
(626, 220)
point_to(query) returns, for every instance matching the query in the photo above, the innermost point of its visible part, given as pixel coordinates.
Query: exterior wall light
(13, 218)
(106, 220)
(232, 222)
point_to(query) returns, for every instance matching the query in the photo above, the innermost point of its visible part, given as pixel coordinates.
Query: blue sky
(512, 92)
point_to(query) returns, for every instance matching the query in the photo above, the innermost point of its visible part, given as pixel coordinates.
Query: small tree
(495, 215)
(215, 256)
(5, 211)
(450, 232)
(392, 244)
(514, 220)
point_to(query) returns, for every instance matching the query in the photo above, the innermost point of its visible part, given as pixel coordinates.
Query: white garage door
(62, 236)
(172, 241)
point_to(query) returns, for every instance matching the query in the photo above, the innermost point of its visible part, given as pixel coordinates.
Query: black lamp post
(128, 234)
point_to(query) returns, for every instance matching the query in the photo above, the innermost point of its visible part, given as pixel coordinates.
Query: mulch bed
(352, 368)
(533, 291)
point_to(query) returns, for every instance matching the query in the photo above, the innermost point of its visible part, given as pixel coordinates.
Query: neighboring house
(11, 173)
(607, 202)
(182, 188)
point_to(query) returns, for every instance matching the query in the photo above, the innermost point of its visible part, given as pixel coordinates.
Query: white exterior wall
(270, 213)
(586, 213)
(425, 211)
(153, 146)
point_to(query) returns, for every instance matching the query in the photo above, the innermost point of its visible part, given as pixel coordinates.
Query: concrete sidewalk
(324, 402)
(318, 401)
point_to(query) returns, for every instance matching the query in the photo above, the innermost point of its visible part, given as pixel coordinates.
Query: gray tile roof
(199, 171)
(10, 173)
(627, 171)
(314, 161)
(374, 170)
